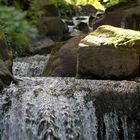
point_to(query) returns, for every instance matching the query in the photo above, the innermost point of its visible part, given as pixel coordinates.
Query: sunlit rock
(109, 53)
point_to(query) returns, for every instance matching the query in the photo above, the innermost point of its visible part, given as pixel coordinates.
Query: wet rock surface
(67, 108)
(6, 54)
(5, 75)
(42, 46)
(6, 62)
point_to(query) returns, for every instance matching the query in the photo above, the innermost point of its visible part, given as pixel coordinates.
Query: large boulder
(109, 53)
(62, 61)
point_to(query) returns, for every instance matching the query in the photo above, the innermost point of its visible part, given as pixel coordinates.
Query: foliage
(109, 3)
(14, 25)
(35, 6)
(67, 10)
(65, 6)
(95, 3)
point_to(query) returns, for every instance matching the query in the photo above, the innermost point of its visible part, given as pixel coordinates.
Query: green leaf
(16, 27)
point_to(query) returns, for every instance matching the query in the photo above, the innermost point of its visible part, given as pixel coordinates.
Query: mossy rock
(109, 53)
(2, 35)
(117, 36)
(2, 38)
(3, 45)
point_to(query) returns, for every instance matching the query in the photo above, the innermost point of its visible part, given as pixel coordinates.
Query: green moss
(14, 24)
(2, 35)
(117, 36)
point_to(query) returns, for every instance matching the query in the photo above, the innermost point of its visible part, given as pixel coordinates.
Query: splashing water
(55, 109)
(30, 66)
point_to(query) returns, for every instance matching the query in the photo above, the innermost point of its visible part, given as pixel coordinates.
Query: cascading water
(58, 109)
(29, 66)
(50, 108)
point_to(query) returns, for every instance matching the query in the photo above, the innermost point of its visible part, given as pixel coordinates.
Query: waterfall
(63, 109)
(29, 66)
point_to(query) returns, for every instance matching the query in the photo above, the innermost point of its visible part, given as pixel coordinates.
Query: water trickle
(125, 127)
(30, 66)
(111, 123)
